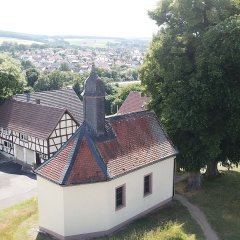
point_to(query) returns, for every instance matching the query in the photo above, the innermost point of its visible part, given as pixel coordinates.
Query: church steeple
(94, 103)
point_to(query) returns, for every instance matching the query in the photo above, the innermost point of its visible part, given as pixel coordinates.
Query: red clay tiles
(90, 171)
(57, 166)
(138, 141)
(134, 103)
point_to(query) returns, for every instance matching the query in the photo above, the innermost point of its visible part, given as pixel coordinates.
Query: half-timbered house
(32, 133)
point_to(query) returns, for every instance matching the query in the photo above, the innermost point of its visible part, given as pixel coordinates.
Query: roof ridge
(35, 104)
(128, 115)
(97, 155)
(58, 90)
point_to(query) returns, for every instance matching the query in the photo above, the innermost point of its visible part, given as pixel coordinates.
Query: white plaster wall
(19, 152)
(50, 206)
(30, 156)
(91, 207)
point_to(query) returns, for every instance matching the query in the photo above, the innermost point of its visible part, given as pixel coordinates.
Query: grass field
(172, 222)
(18, 41)
(90, 42)
(220, 201)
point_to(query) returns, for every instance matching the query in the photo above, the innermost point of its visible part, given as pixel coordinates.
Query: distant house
(134, 103)
(111, 171)
(34, 126)
(32, 133)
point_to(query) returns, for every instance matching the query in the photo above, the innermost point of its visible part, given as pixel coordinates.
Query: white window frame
(23, 137)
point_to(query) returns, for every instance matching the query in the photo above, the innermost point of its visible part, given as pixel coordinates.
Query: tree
(64, 67)
(11, 79)
(26, 64)
(78, 88)
(121, 95)
(218, 68)
(171, 74)
(57, 79)
(31, 76)
(42, 84)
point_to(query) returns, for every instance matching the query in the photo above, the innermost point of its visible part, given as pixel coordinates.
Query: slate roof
(64, 98)
(133, 103)
(132, 141)
(32, 119)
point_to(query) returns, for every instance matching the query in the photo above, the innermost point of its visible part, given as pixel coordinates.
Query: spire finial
(93, 72)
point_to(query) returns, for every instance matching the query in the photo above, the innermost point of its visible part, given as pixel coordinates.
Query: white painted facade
(90, 208)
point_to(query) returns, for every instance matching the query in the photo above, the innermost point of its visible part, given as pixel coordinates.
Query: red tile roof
(134, 103)
(133, 141)
(32, 119)
(63, 98)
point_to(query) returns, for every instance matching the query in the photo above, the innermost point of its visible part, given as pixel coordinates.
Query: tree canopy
(56, 79)
(31, 76)
(176, 73)
(11, 78)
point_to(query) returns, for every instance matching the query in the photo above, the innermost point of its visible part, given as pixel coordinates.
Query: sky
(111, 18)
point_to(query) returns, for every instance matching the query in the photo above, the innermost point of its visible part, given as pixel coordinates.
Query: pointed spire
(93, 73)
(93, 85)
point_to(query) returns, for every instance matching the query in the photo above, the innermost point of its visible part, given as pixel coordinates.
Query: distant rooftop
(64, 98)
(32, 119)
(134, 103)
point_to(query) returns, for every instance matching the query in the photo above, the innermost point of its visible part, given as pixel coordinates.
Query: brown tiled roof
(32, 119)
(64, 98)
(134, 103)
(133, 141)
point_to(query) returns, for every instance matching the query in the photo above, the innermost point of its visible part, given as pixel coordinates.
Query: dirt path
(199, 216)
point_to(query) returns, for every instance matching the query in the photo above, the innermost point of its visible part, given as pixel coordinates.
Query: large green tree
(11, 78)
(218, 68)
(32, 75)
(172, 75)
(56, 79)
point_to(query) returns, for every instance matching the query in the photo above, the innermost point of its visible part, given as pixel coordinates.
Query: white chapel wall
(91, 207)
(50, 206)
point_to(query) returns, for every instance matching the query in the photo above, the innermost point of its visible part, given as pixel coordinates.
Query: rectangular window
(5, 131)
(147, 184)
(23, 137)
(7, 144)
(120, 197)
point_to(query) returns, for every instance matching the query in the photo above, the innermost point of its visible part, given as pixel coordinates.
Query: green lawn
(220, 201)
(90, 42)
(172, 222)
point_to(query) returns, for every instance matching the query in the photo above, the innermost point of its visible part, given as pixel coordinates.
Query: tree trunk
(177, 167)
(194, 181)
(212, 169)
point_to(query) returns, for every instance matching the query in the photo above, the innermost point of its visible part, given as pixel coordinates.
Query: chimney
(94, 103)
(37, 101)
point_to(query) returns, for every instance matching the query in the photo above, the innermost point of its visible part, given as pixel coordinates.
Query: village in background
(64, 62)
